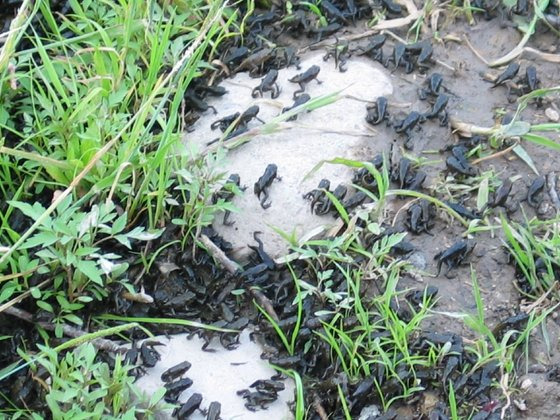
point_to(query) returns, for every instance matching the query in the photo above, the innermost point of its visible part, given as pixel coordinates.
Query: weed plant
(91, 166)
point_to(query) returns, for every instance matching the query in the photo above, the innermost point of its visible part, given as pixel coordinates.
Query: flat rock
(217, 376)
(336, 130)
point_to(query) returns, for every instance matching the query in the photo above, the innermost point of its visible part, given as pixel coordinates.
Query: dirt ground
(335, 132)
(339, 130)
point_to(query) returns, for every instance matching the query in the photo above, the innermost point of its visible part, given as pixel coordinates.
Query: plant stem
(433, 200)
(99, 343)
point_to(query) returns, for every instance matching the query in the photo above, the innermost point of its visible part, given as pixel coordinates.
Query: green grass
(529, 243)
(352, 348)
(518, 131)
(90, 154)
(288, 339)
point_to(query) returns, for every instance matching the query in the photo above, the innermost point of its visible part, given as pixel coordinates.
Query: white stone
(552, 114)
(218, 376)
(336, 130)
(526, 384)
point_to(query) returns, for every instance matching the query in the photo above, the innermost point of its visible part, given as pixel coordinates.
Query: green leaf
(516, 128)
(85, 251)
(123, 240)
(32, 211)
(46, 254)
(541, 140)
(554, 127)
(90, 269)
(157, 396)
(335, 161)
(524, 156)
(374, 228)
(43, 239)
(7, 292)
(537, 94)
(140, 235)
(53, 406)
(62, 301)
(519, 253)
(482, 197)
(63, 227)
(339, 207)
(58, 330)
(74, 319)
(312, 7)
(394, 239)
(117, 97)
(119, 224)
(64, 205)
(45, 306)
(35, 292)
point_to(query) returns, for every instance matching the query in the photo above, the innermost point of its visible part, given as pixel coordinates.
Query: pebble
(369, 412)
(526, 384)
(552, 114)
(418, 260)
(520, 404)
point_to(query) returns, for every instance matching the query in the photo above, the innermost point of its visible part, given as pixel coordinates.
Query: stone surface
(336, 130)
(218, 375)
(541, 398)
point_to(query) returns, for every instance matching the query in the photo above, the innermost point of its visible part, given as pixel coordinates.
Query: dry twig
(495, 155)
(24, 295)
(319, 407)
(233, 268)
(264, 303)
(99, 343)
(413, 14)
(218, 254)
(531, 52)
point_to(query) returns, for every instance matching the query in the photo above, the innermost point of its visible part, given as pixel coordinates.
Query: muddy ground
(339, 130)
(472, 100)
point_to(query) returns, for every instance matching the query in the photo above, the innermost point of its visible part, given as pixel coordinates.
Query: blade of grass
(277, 328)
(169, 321)
(342, 398)
(274, 125)
(542, 5)
(300, 399)
(433, 200)
(525, 157)
(35, 157)
(541, 140)
(339, 207)
(17, 30)
(482, 196)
